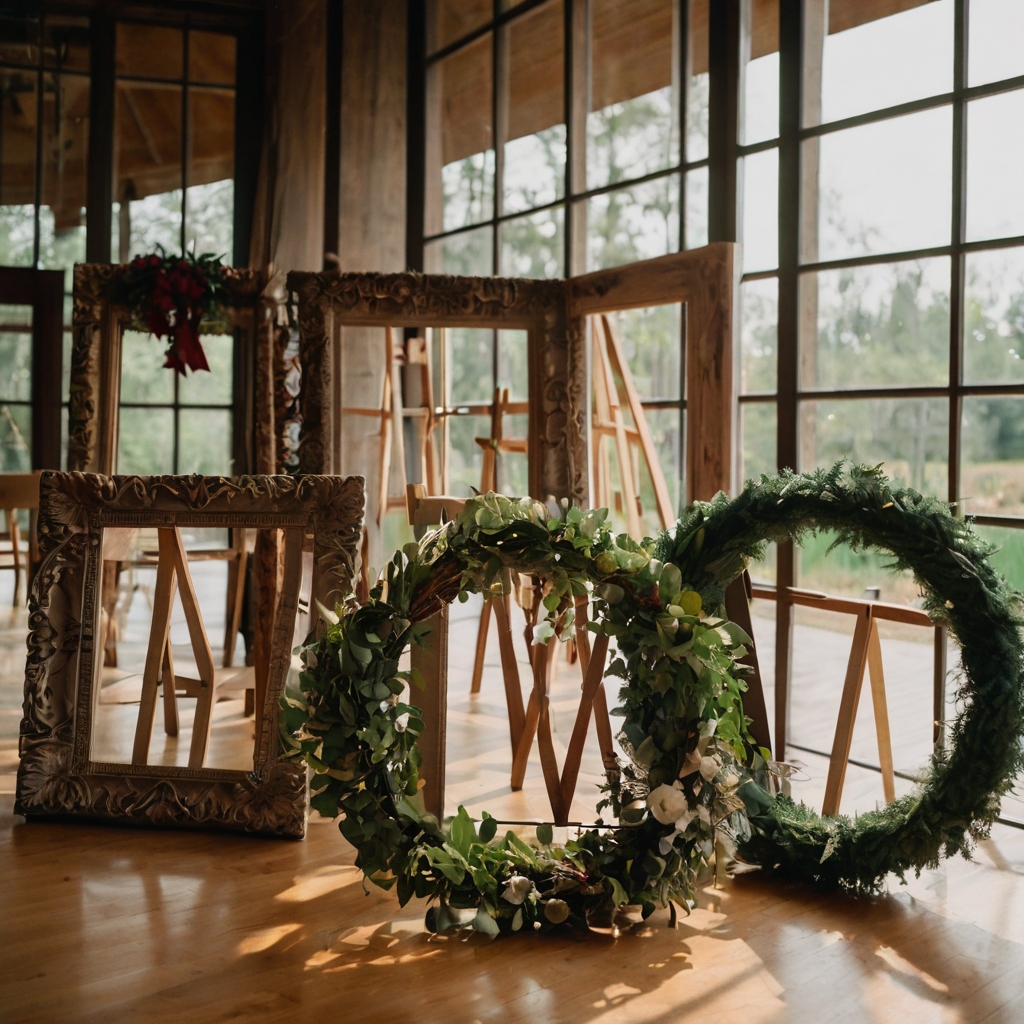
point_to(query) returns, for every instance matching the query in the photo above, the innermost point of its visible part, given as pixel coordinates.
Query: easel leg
(481, 647)
(881, 710)
(847, 715)
(159, 634)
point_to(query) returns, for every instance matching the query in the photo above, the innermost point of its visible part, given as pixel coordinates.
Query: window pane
(15, 354)
(145, 441)
(758, 421)
(469, 253)
(211, 191)
(465, 456)
(909, 436)
(1009, 558)
(213, 388)
(992, 478)
(470, 365)
(994, 317)
(697, 208)
(19, 40)
(651, 340)
(632, 128)
(761, 211)
(513, 365)
(449, 20)
(204, 441)
(535, 151)
(143, 376)
(759, 313)
(885, 187)
(66, 42)
(761, 109)
(211, 57)
(150, 51)
(664, 427)
(465, 87)
(534, 245)
(697, 99)
(886, 61)
(847, 573)
(17, 167)
(15, 438)
(514, 467)
(876, 325)
(148, 169)
(633, 224)
(994, 39)
(995, 153)
(65, 159)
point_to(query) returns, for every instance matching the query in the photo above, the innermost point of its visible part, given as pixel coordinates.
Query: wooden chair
(19, 491)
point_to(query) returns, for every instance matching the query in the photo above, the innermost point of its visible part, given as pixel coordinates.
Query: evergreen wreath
(690, 787)
(959, 793)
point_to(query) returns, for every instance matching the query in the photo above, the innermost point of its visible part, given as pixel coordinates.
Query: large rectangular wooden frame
(56, 776)
(706, 281)
(331, 300)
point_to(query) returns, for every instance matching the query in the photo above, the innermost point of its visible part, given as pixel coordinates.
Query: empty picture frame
(56, 775)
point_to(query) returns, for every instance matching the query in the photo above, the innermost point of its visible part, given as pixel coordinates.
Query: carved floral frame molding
(330, 301)
(98, 324)
(56, 776)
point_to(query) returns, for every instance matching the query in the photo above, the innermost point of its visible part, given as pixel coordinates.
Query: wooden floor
(101, 923)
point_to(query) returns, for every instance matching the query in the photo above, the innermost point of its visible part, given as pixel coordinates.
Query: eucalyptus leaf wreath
(691, 789)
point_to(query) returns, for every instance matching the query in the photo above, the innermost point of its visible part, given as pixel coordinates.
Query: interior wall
(371, 213)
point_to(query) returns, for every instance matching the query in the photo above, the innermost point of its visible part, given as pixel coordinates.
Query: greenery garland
(677, 797)
(959, 795)
(689, 787)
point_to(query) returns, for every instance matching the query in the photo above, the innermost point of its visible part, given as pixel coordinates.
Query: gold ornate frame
(98, 324)
(329, 301)
(56, 776)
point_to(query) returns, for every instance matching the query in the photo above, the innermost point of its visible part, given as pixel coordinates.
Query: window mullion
(958, 230)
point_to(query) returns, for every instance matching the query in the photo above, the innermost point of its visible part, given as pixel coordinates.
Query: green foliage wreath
(684, 729)
(688, 790)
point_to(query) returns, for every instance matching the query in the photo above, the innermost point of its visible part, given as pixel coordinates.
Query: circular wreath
(688, 791)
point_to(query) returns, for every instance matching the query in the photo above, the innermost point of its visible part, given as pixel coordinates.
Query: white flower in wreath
(682, 823)
(667, 803)
(518, 888)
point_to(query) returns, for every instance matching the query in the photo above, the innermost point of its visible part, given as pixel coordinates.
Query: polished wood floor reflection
(102, 923)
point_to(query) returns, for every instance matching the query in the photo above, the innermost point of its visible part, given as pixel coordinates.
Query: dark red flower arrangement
(170, 295)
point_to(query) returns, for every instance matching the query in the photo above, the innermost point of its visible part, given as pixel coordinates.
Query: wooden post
(432, 662)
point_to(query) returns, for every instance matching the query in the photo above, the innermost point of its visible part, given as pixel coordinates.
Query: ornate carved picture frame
(57, 776)
(95, 391)
(331, 300)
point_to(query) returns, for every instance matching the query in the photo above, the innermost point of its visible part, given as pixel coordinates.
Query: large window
(166, 131)
(865, 152)
(565, 137)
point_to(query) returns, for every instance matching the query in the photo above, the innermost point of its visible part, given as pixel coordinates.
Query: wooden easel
(533, 721)
(609, 368)
(172, 573)
(866, 651)
(496, 442)
(391, 414)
